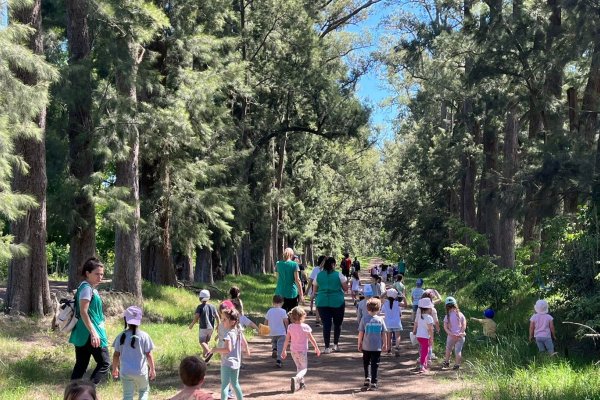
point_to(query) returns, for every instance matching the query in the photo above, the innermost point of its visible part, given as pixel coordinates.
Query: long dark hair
(320, 260)
(329, 265)
(133, 329)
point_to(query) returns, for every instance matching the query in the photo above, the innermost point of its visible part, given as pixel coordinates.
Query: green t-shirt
(80, 334)
(286, 284)
(330, 292)
(401, 267)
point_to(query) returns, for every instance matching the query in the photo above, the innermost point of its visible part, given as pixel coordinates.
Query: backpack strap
(77, 315)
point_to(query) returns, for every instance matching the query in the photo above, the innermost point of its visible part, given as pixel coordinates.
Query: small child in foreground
(298, 336)
(541, 327)
(80, 390)
(192, 371)
(371, 342)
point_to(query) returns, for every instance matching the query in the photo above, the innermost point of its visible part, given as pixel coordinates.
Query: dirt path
(339, 375)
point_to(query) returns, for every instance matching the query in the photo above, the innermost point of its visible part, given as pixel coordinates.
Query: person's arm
(552, 330)
(196, 319)
(226, 349)
(299, 286)
(84, 306)
(245, 346)
(430, 330)
(531, 330)
(151, 371)
(384, 340)
(116, 361)
(463, 327)
(361, 335)
(253, 325)
(286, 322)
(285, 346)
(344, 286)
(415, 324)
(311, 339)
(446, 327)
(437, 325)
(315, 288)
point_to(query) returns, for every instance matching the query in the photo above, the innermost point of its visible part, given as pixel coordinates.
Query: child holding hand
(298, 335)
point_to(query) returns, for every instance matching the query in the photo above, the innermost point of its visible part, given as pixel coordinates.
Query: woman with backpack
(89, 334)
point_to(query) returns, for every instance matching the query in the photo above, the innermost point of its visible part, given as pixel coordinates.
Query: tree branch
(333, 25)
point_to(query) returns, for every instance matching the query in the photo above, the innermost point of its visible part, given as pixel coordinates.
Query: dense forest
(185, 140)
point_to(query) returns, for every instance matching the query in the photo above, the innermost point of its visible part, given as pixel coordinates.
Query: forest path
(339, 375)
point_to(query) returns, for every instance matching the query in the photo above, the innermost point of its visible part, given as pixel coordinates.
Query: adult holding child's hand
(288, 281)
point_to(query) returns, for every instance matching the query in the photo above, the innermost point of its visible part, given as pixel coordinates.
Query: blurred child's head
(321, 260)
(451, 304)
(192, 371)
(419, 282)
(541, 307)
(489, 313)
(277, 300)
(355, 275)
(80, 390)
(297, 315)
(329, 264)
(399, 277)
(425, 305)
(231, 317)
(234, 292)
(225, 305)
(376, 278)
(373, 305)
(204, 295)
(346, 255)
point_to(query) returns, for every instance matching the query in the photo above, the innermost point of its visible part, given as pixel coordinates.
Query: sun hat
(419, 282)
(541, 307)
(488, 313)
(450, 301)
(425, 303)
(368, 290)
(204, 294)
(391, 292)
(133, 315)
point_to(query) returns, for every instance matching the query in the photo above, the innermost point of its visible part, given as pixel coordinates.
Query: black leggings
(289, 303)
(82, 360)
(371, 358)
(329, 314)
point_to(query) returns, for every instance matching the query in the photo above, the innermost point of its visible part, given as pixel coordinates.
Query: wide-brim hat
(425, 303)
(541, 307)
(133, 315)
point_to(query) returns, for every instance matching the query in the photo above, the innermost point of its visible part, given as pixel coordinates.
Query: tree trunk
(183, 266)
(588, 119)
(572, 193)
(204, 267)
(128, 272)
(467, 197)
(275, 215)
(509, 198)
(28, 291)
(80, 131)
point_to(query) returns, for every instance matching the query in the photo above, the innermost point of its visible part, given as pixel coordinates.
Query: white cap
(204, 295)
(391, 292)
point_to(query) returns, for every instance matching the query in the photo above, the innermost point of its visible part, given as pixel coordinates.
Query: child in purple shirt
(541, 327)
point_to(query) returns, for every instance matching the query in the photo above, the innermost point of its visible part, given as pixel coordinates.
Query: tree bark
(509, 197)
(128, 272)
(28, 290)
(204, 267)
(80, 130)
(468, 212)
(275, 214)
(571, 198)
(588, 119)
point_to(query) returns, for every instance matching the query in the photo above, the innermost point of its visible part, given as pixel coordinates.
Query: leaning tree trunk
(128, 275)
(80, 129)
(509, 197)
(28, 290)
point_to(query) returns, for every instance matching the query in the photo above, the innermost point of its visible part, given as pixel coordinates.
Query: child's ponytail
(133, 329)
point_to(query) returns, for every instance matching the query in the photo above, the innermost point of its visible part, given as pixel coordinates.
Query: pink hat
(425, 303)
(133, 315)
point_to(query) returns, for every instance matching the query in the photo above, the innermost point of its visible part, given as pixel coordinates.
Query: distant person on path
(132, 359)
(330, 287)
(402, 267)
(356, 265)
(89, 334)
(298, 336)
(80, 390)
(289, 285)
(488, 323)
(207, 316)
(455, 325)
(345, 265)
(192, 371)
(423, 330)
(371, 342)
(399, 286)
(378, 286)
(541, 327)
(361, 307)
(355, 286)
(313, 277)
(277, 321)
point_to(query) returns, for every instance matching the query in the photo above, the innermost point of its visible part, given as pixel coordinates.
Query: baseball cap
(133, 315)
(450, 301)
(204, 294)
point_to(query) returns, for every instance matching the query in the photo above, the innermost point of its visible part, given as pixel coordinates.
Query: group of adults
(328, 288)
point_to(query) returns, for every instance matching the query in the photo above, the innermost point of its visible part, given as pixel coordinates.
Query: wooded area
(187, 140)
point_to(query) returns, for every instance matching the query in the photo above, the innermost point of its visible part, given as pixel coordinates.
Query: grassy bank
(35, 362)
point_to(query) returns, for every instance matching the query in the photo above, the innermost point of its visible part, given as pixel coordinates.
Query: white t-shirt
(314, 273)
(244, 321)
(86, 292)
(275, 317)
(392, 315)
(422, 325)
(355, 285)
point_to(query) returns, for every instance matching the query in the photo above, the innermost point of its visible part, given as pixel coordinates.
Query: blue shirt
(372, 326)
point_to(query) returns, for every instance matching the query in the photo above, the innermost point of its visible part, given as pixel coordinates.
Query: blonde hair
(373, 304)
(297, 314)
(288, 253)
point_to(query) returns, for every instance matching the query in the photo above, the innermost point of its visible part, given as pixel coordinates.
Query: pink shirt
(541, 325)
(299, 337)
(455, 321)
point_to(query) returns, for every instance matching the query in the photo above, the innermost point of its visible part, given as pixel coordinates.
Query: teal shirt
(401, 267)
(330, 292)
(286, 284)
(80, 334)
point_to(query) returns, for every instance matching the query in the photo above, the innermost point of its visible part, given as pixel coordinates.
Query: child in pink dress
(298, 335)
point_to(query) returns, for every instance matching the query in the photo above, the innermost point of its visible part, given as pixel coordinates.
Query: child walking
(541, 327)
(298, 336)
(371, 342)
(423, 330)
(231, 353)
(355, 286)
(392, 311)
(207, 316)
(416, 295)
(132, 359)
(277, 320)
(455, 325)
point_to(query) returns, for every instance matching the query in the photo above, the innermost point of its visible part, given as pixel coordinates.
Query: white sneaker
(336, 347)
(327, 350)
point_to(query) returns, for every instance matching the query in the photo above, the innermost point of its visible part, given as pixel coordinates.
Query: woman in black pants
(330, 287)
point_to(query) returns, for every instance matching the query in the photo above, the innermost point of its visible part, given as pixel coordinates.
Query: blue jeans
(545, 344)
(230, 376)
(131, 383)
(277, 343)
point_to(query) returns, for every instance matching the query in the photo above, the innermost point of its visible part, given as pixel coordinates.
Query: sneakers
(433, 357)
(278, 364)
(327, 350)
(302, 385)
(293, 384)
(208, 357)
(336, 347)
(373, 386)
(456, 367)
(367, 382)
(446, 364)
(274, 353)
(389, 352)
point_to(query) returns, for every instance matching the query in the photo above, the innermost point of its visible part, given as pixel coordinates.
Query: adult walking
(89, 334)
(288, 281)
(330, 287)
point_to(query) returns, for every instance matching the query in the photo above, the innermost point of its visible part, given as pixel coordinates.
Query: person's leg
(225, 379)
(548, 345)
(540, 344)
(102, 359)
(458, 350)
(338, 318)
(375, 358)
(280, 342)
(326, 319)
(366, 362)
(289, 303)
(424, 351)
(415, 307)
(301, 361)
(449, 345)
(82, 360)
(235, 383)
(274, 346)
(128, 387)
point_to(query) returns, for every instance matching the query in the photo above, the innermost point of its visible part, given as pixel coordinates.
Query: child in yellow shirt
(488, 323)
